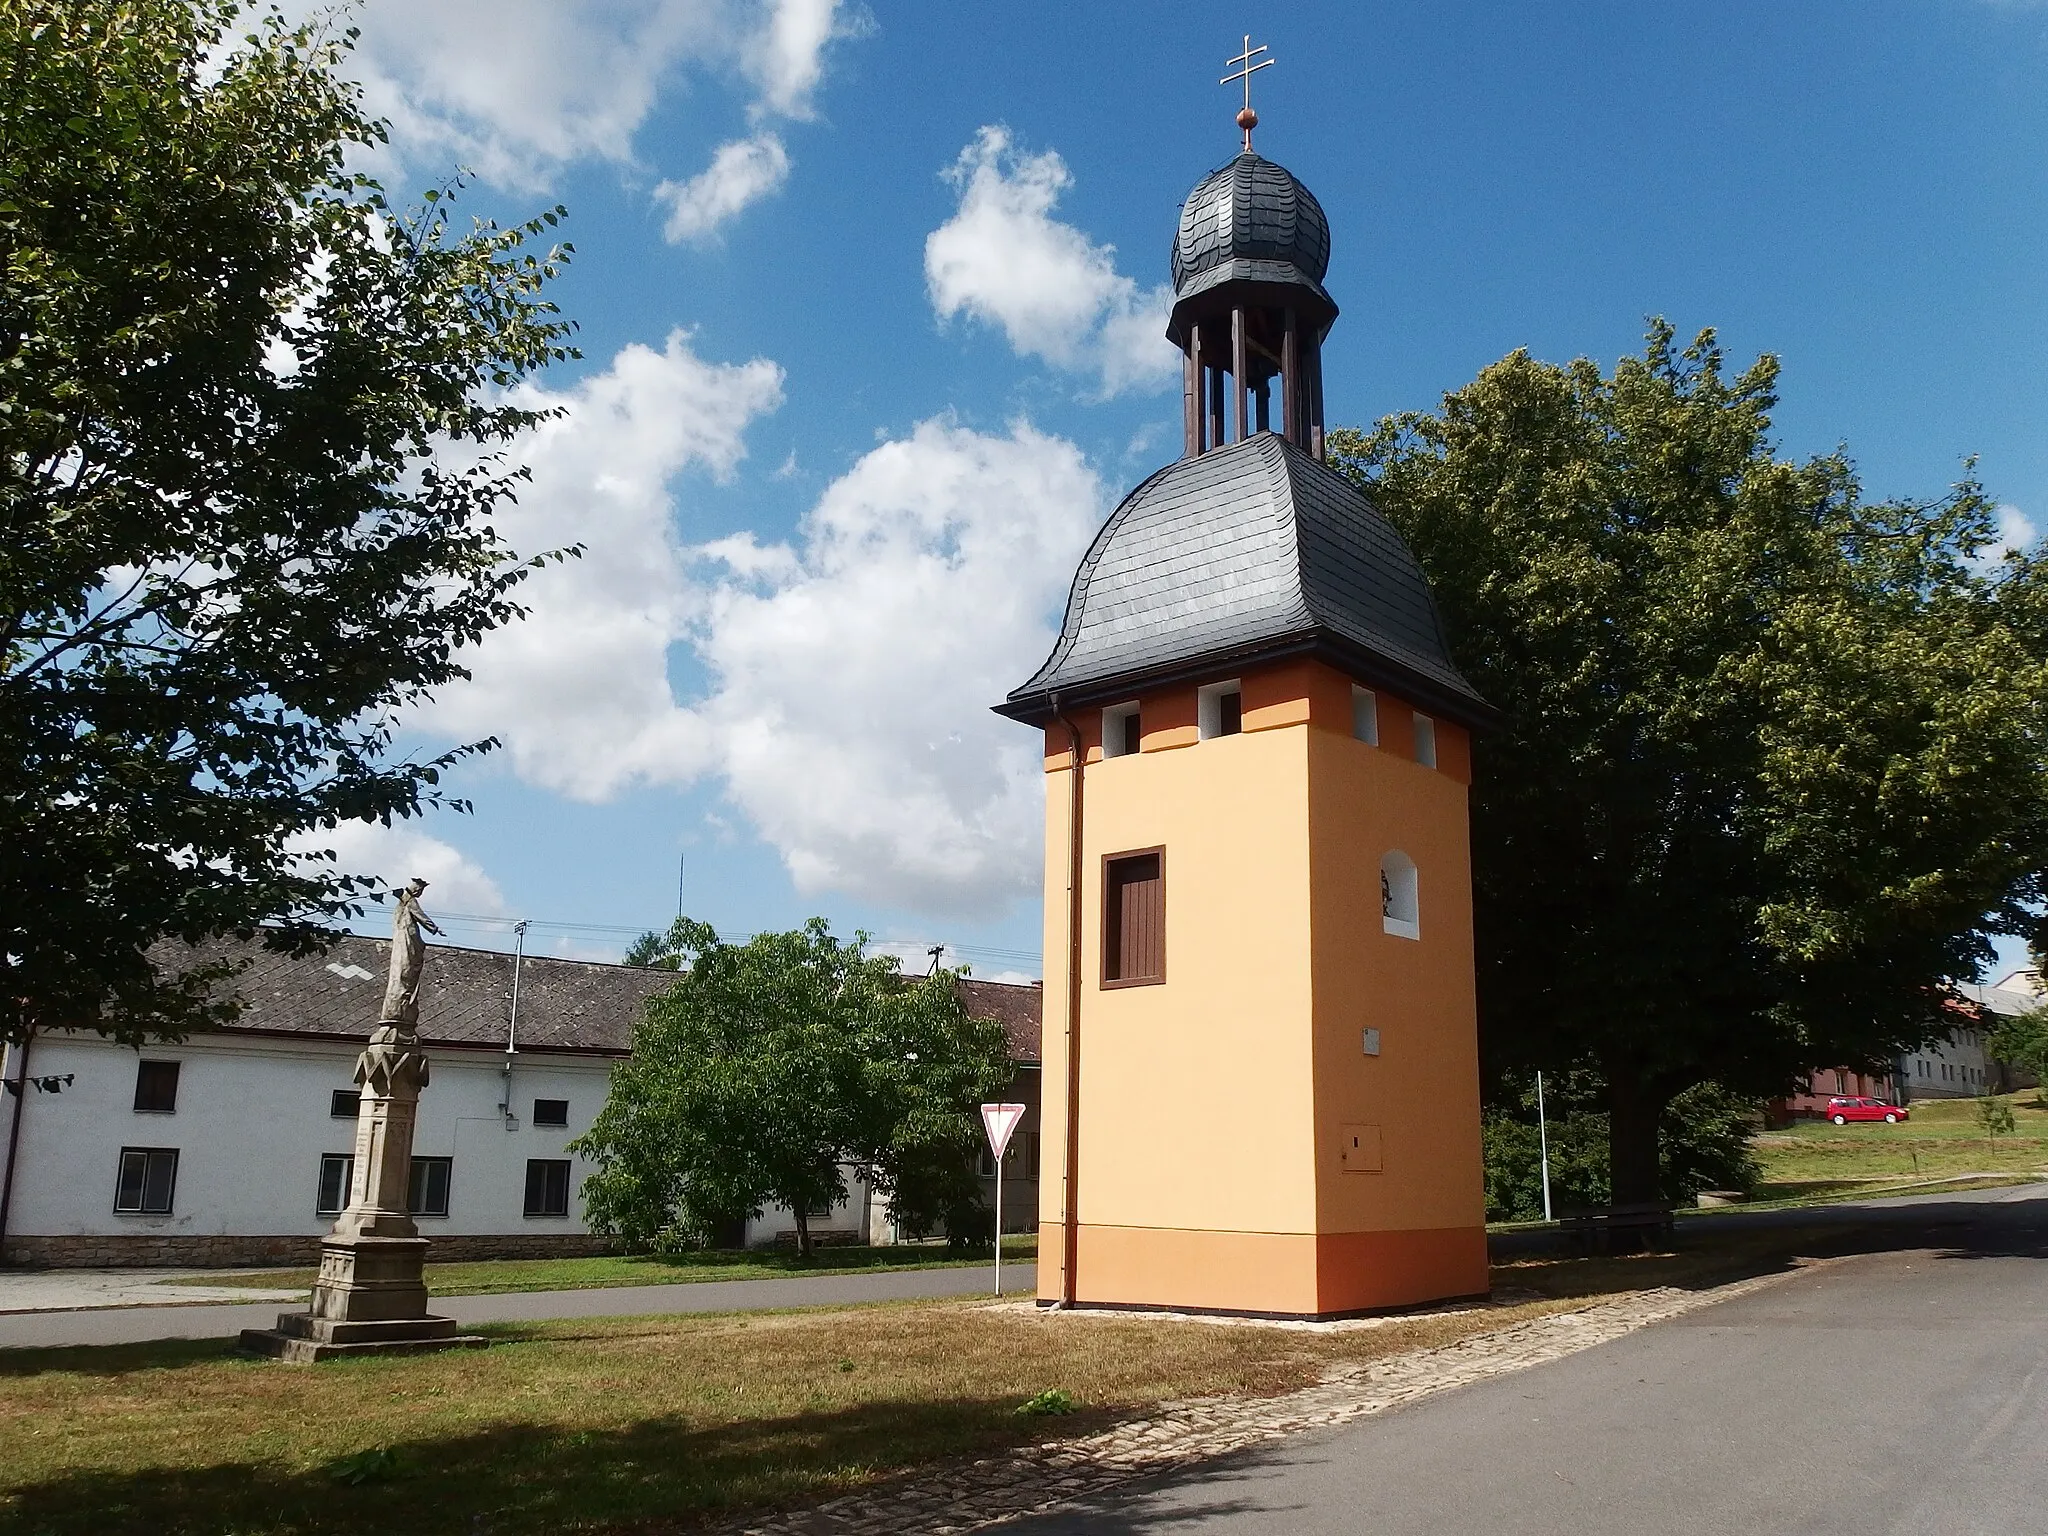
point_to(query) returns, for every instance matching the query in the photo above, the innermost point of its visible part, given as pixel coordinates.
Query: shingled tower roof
(1249, 552)
(1250, 548)
(1251, 221)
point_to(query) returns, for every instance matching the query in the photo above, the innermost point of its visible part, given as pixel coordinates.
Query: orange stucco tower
(1261, 1056)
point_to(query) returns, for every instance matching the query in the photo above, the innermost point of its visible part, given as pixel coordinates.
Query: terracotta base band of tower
(1269, 1274)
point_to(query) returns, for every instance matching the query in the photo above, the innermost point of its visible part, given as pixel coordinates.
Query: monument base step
(301, 1338)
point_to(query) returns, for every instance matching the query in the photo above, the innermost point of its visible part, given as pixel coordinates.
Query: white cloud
(849, 718)
(1004, 259)
(578, 692)
(787, 56)
(850, 670)
(398, 853)
(519, 90)
(740, 173)
(2016, 532)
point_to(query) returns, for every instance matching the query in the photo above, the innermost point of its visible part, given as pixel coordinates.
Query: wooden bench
(1617, 1228)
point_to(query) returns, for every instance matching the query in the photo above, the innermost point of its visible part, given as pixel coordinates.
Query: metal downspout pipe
(1070, 1228)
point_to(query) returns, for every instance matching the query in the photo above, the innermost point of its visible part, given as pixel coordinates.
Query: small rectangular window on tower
(1220, 709)
(1134, 918)
(1425, 741)
(1120, 731)
(1365, 716)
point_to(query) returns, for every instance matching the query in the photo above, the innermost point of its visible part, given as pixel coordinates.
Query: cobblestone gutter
(1043, 1477)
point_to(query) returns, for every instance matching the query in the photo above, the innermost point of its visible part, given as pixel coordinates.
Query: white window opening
(1220, 707)
(1400, 906)
(337, 1173)
(1425, 741)
(148, 1181)
(1365, 716)
(1120, 731)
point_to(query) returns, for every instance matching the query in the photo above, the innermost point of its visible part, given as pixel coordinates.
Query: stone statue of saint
(408, 956)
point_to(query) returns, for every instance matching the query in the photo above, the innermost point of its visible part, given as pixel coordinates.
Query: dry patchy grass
(644, 1425)
(491, 1276)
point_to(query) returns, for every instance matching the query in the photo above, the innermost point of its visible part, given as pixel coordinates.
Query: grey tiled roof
(1017, 1009)
(1250, 550)
(1250, 213)
(465, 994)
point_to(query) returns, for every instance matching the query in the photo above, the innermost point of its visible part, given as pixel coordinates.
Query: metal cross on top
(1248, 119)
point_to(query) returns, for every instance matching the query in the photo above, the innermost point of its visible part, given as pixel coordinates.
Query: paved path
(129, 1325)
(69, 1290)
(1901, 1390)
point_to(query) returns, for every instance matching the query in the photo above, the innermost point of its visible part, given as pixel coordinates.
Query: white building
(233, 1147)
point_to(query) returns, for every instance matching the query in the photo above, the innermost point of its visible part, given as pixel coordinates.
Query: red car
(1842, 1111)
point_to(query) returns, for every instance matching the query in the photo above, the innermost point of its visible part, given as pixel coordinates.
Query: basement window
(1365, 716)
(1220, 708)
(148, 1181)
(1400, 904)
(1425, 741)
(1134, 918)
(1120, 731)
(156, 1087)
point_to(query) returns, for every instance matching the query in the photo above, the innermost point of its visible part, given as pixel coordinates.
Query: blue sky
(870, 299)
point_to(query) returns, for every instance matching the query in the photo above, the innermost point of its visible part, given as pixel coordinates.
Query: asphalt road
(131, 1325)
(1901, 1390)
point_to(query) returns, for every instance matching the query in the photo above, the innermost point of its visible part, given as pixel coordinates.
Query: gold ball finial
(1247, 119)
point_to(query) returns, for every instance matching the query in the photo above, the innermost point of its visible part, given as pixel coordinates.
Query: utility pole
(1543, 1142)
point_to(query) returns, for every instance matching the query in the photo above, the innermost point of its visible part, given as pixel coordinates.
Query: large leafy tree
(772, 1065)
(250, 419)
(1771, 770)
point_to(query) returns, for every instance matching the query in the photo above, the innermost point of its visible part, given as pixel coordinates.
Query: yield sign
(1000, 1120)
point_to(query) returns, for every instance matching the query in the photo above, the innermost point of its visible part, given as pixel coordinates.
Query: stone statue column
(371, 1297)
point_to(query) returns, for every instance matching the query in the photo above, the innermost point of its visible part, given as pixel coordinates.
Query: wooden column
(1238, 370)
(1290, 384)
(1215, 406)
(1315, 398)
(1191, 395)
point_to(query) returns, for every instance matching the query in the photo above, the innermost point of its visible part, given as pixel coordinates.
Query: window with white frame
(547, 1186)
(1425, 740)
(148, 1181)
(1220, 709)
(337, 1174)
(1365, 716)
(1120, 730)
(1400, 903)
(427, 1186)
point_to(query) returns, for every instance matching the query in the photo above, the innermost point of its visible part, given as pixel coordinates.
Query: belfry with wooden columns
(1261, 1054)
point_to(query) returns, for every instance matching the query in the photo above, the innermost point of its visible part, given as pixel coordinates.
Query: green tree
(2022, 1041)
(1771, 765)
(770, 1066)
(251, 430)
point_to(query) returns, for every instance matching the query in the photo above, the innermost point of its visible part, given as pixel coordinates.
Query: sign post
(1000, 1121)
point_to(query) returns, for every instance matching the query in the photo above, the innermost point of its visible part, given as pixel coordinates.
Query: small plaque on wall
(1361, 1149)
(1372, 1042)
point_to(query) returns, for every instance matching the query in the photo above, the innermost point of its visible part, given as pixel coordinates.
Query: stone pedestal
(370, 1298)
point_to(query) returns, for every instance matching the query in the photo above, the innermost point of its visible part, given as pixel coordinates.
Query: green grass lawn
(1943, 1138)
(634, 1426)
(485, 1277)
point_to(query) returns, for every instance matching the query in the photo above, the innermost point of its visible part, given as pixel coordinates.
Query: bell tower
(1261, 1050)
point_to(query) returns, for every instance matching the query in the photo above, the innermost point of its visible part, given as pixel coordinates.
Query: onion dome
(1251, 221)
(1250, 552)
